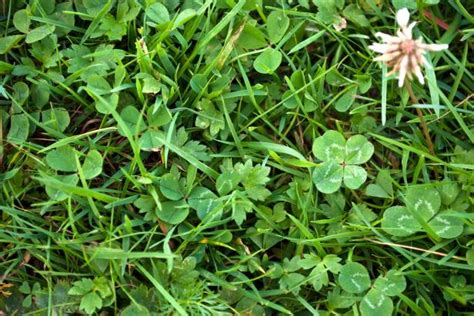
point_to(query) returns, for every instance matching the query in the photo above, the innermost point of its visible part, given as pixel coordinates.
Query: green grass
(232, 158)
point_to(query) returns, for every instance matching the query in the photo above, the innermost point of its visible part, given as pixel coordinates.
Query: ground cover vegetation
(244, 157)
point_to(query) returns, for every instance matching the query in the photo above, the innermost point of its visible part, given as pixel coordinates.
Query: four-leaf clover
(340, 160)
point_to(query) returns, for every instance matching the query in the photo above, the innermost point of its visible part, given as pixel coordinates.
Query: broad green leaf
(25, 288)
(383, 187)
(101, 284)
(330, 147)
(399, 4)
(40, 94)
(449, 190)
(135, 310)
(254, 179)
(198, 83)
(339, 299)
(227, 182)
(251, 37)
(39, 33)
(447, 225)
(62, 159)
(98, 84)
(203, 201)
(277, 25)
(470, 256)
(398, 221)
(332, 263)
(361, 213)
(94, 7)
(183, 17)
(426, 201)
(354, 176)
(150, 140)
(173, 212)
(291, 281)
(328, 177)
(151, 85)
(391, 284)
(346, 100)
(19, 129)
(158, 115)
(22, 20)
(57, 194)
(8, 42)
(268, 61)
(309, 261)
(327, 10)
(90, 302)
(21, 91)
(375, 303)
(354, 14)
(171, 188)
(107, 104)
(376, 190)
(354, 278)
(57, 118)
(92, 164)
(358, 150)
(81, 287)
(133, 119)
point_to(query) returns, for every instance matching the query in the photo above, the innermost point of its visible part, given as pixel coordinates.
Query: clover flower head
(402, 53)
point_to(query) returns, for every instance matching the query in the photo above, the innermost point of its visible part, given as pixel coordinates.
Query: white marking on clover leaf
(426, 201)
(391, 284)
(354, 176)
(358, 150)
(328, 177)
(330, 146)
(397, 221)
(376, 303)
(354, 278)
(447, 225)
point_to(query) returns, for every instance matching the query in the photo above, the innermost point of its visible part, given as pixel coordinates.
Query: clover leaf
(426, 202)
(354, 278)
(339, 161)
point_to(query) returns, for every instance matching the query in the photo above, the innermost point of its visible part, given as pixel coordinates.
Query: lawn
(236, 157)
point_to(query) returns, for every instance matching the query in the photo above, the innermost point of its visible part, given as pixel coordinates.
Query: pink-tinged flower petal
(419, 74)
(387, 57)
(381, 48)
(435, 47)
(403, 16)
(388, 38)
(401, 35)
(408, 31)
(403, 71)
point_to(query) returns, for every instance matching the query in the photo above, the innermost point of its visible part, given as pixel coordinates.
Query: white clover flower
(403, 53)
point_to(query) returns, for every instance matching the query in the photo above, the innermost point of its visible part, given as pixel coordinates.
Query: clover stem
(424, 127)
